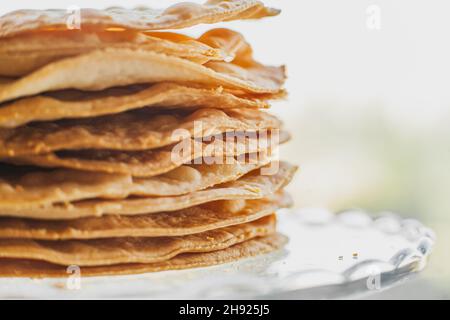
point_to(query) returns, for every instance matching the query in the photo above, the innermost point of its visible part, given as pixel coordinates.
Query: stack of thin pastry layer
(115, 145)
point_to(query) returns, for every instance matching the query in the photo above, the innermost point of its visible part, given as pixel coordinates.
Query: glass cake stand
(344, 255)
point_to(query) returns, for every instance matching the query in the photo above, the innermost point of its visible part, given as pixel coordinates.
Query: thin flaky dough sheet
(148, 163)
(111, 251)
(27, 53)
(254, 185)
(76, 104)
(106, 68)
(179, 16)
(246, 249)
(135, 130)
(41, 188)
(192, 220)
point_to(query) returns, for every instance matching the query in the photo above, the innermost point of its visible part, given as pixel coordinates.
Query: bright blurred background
(369, 107)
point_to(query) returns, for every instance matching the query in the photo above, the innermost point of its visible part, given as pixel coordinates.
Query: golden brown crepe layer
(76, 104)
(192, 220)
(250, 248)
(148, 163)
(24, 54)
(102, 252)
(106, 68)
(251, 186)
(178, 16)
(43, 188)
(135, 130)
